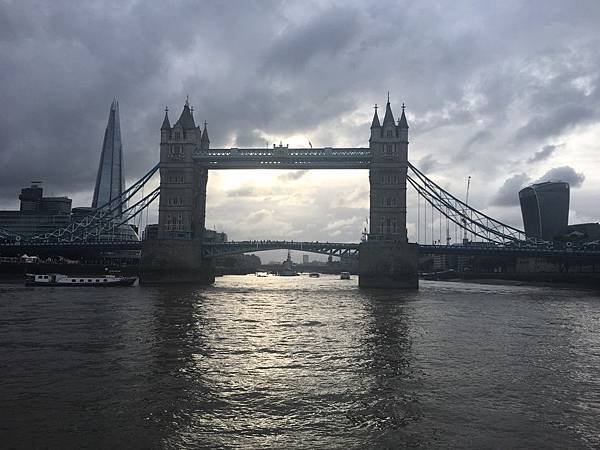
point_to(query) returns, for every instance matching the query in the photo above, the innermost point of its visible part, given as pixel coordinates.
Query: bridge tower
(386, 259)
(176, 256)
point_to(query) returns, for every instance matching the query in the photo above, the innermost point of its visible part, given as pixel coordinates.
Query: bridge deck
(328, 248)
(285, 158)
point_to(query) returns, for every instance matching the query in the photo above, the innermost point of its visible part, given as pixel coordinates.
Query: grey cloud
(543, 154)
(250, 138)
(320, 38)
(293, 176)
(496, 78)
(478, 138)
(555, 122)
(427, 163)
(248, 191)
(564, 173)
(508, 194)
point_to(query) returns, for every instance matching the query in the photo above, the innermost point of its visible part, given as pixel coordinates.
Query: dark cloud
(508, 194)
(248, 191)
(564, 173)
(427, 163)
(250, 138)
(543, 154)
(478, 139)
(555, 122)
(293, 176)
(483, 85)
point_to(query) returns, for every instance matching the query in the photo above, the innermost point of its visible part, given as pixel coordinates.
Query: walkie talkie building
(545, 209)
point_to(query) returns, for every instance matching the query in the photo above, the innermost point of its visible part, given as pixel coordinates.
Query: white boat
(345, 276)
(262, 274)
(60, 280)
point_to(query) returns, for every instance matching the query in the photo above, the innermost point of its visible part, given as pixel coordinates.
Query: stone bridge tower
(387, 260)
(387, 177)
(176, 256)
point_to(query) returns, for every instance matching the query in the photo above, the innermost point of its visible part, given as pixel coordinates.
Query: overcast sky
(506, 92)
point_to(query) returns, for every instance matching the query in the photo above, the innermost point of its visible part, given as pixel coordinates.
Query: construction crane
(465, 239)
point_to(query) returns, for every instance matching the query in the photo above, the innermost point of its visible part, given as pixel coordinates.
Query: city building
(587, 231)
(110, 181)
(37, 214)
(545, 209)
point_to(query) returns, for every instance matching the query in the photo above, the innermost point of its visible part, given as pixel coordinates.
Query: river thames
(298, 362)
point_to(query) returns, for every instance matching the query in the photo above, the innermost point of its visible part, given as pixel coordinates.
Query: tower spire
(402, 122)
(375, 123)
(389, 117)
(166, 125)
(186, 120)
(204, 140)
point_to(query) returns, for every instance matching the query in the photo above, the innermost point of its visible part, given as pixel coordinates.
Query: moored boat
(314, 275)
(345, 276)
(60, 280)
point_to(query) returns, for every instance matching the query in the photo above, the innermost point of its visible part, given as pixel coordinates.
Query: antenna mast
(465, 239)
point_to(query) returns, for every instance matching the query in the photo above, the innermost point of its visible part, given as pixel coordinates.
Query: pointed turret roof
(204, 137)
(403, 123)
(389, 116)
(375, 123)
(186, 120)
(166, 125)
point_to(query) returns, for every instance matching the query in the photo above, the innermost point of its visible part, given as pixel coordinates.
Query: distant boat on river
(288, 267)
(60, 280)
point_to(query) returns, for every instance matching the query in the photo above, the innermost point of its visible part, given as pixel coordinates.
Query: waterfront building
(37, 214)
(545, 209)
(588, 231)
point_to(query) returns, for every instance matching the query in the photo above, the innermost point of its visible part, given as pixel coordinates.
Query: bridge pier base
(388, 265)
(169, 261)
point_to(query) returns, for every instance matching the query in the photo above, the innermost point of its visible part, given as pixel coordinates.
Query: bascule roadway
(339, 249)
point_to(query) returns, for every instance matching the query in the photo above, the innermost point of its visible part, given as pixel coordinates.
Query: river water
(299, 363)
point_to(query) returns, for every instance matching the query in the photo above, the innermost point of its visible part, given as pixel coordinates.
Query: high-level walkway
(284, 158)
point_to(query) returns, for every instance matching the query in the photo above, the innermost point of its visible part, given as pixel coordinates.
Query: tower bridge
(181, 252)
(386, 259)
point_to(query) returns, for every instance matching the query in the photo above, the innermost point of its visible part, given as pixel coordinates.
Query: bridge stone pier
(386, 259)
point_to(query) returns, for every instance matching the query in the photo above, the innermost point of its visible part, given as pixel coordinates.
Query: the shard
(110, 182)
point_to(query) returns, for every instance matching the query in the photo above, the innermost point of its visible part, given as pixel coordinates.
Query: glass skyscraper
(545, 209)
(110, 182)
